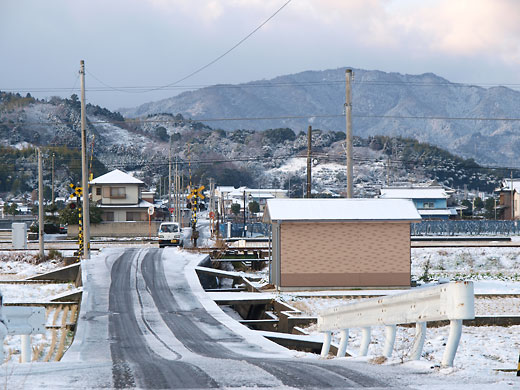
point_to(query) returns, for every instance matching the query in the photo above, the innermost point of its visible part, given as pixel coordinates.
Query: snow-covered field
(20, 265)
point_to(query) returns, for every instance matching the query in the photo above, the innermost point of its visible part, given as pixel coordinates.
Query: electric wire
(211, 62)
(266, 84)
(284, 117)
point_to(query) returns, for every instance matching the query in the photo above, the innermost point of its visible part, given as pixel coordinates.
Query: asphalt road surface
(143, 324)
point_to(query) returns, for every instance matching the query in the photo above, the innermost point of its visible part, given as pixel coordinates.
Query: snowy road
(147, 323)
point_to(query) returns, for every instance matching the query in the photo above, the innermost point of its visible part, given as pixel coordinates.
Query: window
(118, 192)
(108, 216)
(135, 216)
(98, 190)
(428, 205)
(169, 228)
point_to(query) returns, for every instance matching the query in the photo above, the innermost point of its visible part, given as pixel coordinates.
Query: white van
(170, 234)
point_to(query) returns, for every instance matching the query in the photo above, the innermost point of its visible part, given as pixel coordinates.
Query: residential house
(431, 202)
(120, 195)
(509, 190)
(338, 243)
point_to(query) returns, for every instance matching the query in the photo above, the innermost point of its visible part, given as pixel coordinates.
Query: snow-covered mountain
(269, 158)
(379, 98)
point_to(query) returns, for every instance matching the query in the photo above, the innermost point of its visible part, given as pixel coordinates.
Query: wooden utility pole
(52, 180)
(84, 171)
(176, 192)
(348, 117)
(41, 224)
(512, 198)
(245, 227)
(170, 179)
(309, 143)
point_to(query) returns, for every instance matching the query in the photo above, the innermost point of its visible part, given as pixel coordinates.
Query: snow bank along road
(145, 322)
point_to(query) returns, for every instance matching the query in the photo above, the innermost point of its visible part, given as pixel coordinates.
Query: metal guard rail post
(22, 320)
(451, 301)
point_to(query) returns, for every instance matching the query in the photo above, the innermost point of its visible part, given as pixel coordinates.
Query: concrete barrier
(118, 229)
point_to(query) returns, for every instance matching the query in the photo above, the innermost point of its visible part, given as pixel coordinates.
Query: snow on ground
(21, 264)
(500, 264)
(18, 293)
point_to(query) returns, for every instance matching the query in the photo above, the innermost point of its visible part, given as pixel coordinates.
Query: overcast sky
(133, 43)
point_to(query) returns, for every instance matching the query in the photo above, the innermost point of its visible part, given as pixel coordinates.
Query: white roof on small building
(437, 212)
(506, 185)
(257, 192)
(116, 177)
(414, 193)
(359, 209)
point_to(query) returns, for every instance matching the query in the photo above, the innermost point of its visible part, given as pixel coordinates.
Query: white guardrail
(22, 320)
(451, 301)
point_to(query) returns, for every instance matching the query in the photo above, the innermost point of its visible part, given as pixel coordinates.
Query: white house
(431, 202)
(120, 195)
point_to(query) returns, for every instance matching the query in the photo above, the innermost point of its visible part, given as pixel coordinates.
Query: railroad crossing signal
(78, 191)
(197, 192)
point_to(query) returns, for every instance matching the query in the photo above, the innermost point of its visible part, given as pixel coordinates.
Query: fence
(453, 301)
(237, 229)
(465, 228)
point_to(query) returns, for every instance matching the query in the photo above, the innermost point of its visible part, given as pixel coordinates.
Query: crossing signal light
(72, 205)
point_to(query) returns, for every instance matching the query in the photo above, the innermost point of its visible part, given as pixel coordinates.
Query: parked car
(48, 228)
(170, 234)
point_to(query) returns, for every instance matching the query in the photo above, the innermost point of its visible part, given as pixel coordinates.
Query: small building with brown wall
(340, 243)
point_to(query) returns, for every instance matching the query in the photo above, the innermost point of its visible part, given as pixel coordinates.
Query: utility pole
(348, 117)
(309, 142)
(41, 224)
(84, 171)
(512, 198)
(244, 213)
(176, 194)
(170, 179)
(52, 180)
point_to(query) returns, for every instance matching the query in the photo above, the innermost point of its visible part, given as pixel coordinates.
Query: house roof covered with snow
(414, 193)
(360, 209)
(506, 185)
(116, 177)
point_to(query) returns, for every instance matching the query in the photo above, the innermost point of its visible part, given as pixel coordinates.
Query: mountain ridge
(392, 104)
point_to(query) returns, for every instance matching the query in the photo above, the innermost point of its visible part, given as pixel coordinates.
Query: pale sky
(134, 43)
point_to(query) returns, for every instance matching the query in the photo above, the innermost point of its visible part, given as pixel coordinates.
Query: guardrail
(452, 301)
(22, 320)
(484, 227)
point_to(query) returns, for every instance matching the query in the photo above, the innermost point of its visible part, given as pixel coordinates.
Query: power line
(267, 84)
(321, 156)
(285, 117)
(211, 62)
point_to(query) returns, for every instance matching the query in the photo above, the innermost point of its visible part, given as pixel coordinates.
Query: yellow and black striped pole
(80, 229)
(78, 191)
